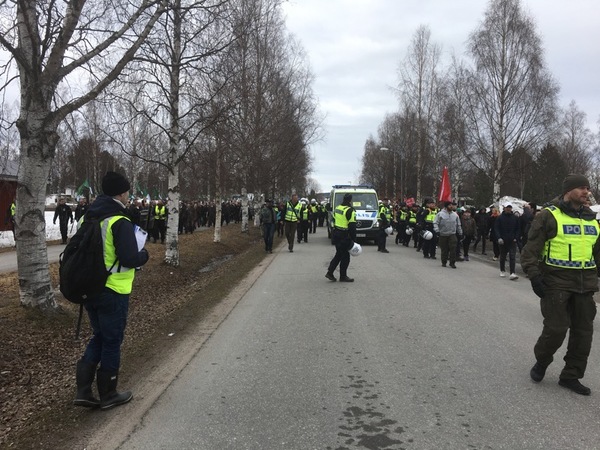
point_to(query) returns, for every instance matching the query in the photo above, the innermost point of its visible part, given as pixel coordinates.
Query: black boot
(85, 377)
(107, 388)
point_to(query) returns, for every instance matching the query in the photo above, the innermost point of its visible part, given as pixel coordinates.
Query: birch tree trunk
(217, 235)
(172, 238)
(37, 150)
(244, 211)
(218, 208)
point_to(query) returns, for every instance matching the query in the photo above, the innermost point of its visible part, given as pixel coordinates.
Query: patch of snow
(516, 203)
(52, 232)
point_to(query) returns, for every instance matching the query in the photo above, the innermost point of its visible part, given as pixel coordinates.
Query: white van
(364, 201)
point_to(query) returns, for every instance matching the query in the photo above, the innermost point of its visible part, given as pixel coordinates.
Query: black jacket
(507, 227)
(123, 231)
(63, 213)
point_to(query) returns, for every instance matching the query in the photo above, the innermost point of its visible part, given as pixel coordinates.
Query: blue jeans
(108, 317)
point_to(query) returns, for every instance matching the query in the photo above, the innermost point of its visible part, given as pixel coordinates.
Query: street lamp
(385, 149)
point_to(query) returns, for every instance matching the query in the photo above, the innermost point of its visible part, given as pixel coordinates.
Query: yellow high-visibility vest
(571, 248)
(120, 279)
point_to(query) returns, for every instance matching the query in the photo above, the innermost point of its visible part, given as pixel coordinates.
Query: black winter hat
(573, 181)
(114, 183)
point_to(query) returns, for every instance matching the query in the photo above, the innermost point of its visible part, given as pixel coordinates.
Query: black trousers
(63, 225)
(303, 230)
(342, 255)
(160, 230)
(567, 311)
(382, 237)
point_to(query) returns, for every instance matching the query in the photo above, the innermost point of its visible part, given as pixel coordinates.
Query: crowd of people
(458, 231)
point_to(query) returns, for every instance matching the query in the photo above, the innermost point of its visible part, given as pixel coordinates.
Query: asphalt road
(411, 355)
(8, 259)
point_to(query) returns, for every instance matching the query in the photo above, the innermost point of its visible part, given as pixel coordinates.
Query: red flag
(445, 190)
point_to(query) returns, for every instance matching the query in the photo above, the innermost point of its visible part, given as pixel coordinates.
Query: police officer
(385, 220)
(343, 237)
(304, 222)
(401, 222)
(412, 223)
(65, 215)
(160, 221)
(108, 311)
(313, 216)
(291, 220)
(428, 218)
(565, 235)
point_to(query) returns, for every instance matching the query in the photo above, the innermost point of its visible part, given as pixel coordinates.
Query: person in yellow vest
(313, 215)
(343, 237)
(428, 217)
(304, 222)
(561, 259)
(108, 311)
(160, 221)
(291, 220)
(401, 223)
(385, 220)
(10, 216)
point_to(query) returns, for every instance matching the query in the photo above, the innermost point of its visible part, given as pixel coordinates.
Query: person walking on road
(447, 225)
(565, 237)
(507, 233)
(108, 311)
(385, 220)
(65, 215)
(268, 217)
(291, 218)
(343, 237)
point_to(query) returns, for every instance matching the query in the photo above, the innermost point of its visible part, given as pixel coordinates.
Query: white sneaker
(502, 274)
(513, 276)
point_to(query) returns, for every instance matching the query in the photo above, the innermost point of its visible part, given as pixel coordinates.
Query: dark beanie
(573, 181)
(114, 183)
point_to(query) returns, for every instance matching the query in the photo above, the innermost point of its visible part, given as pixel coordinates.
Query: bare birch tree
(576, 140)
(512, 98)
(178, 67)
(52, 43)
(417, 88)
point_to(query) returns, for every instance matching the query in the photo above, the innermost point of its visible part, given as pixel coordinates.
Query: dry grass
(38, 352)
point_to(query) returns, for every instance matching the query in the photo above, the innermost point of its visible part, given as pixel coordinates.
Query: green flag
(86, 184)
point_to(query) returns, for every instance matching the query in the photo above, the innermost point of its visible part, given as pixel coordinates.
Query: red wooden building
(8, 190)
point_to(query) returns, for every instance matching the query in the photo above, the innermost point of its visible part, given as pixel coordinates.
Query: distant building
(8, 189)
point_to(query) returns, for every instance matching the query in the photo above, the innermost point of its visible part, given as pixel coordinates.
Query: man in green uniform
(561, 259)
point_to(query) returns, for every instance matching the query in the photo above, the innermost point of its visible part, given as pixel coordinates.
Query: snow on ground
(52, 232)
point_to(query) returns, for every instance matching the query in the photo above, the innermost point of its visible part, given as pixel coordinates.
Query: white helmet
(313, 201)
(409, 231)
(427, 235)
(356, 250)
(389, 230)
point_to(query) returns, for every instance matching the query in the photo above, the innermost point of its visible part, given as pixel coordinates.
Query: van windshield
(360, 200)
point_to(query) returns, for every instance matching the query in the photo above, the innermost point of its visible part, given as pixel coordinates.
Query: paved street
(411, 355)
(8, 259)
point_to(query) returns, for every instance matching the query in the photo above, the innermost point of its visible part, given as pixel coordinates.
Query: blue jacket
(123, 232)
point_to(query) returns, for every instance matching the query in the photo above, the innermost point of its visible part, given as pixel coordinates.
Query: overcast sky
(355, 46)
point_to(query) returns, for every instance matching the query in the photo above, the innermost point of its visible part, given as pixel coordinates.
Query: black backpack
(82, 271)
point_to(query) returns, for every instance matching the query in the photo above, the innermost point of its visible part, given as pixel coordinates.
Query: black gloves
(537, 284)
